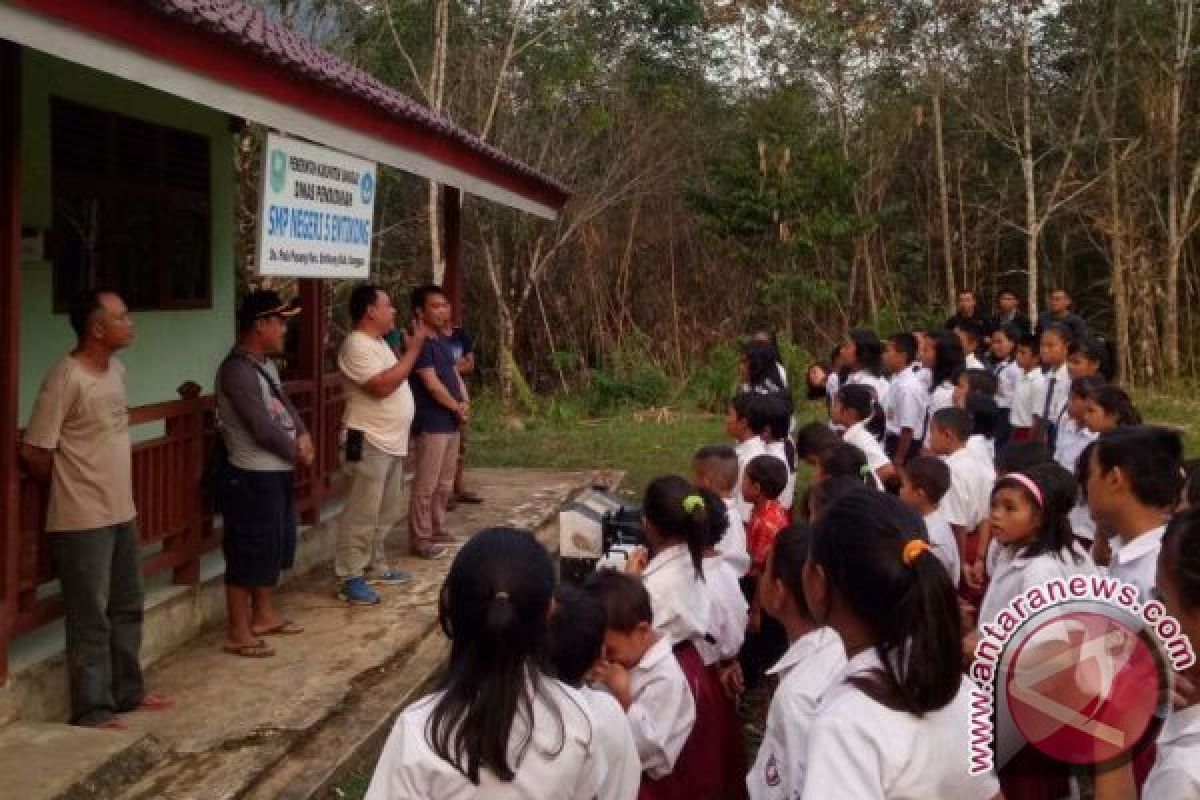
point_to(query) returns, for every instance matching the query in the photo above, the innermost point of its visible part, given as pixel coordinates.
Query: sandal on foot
(285, 628)
(258, 649)
(153, 701)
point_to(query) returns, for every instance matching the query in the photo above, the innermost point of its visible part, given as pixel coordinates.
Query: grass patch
(644, 449)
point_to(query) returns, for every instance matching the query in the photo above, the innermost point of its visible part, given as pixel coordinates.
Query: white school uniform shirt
(1014, 574)
(614, 741)
(1176, 772)
(943, 544)
(878, 384)
(663, 711)
(925, 374)
(680, 600)
(746, 452)
(778, 450)
(1137, 561)
(1081, 521)
(1029, 388)
(906, 403)
(728, 614)
(564, 764)
(982, 447)
(732, 546)
(939, 398)
(858, 435)
(1071, 440)
(1008, 376)
(859, 749)
(972, 362)
(969, 498)
(1058, 400)
(805, 671)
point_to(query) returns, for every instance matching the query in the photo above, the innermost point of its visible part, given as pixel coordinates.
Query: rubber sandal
(257, 650)
(285, 628)
(155, 702)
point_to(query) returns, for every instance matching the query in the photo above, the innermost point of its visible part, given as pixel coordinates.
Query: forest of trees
(804, 165)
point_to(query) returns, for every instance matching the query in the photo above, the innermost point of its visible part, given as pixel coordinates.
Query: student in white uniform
(728, 614)
(862, 359)
(1029, 387)
(1073, 433)
(746, 421)
(642, 674)
(906, 400)
(1050, 405)
(496, 727)
(1008, 376)
(886, 728)
(775, 438)
(574, 647)
(1134, 480)
(814, 657)
(965, 506)
(1176, 772)
(716, 468)
(676, 521)
(971, 336)
(924, 482)
(943, 357)
(853, 408)
(1030, 526)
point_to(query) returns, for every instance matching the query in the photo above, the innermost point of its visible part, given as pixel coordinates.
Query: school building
(117, 126)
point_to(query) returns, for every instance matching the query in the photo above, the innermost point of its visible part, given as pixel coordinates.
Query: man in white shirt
(379, 413)
(1134, 479)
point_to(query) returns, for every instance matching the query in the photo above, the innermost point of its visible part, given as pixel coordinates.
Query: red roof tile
(247, 27)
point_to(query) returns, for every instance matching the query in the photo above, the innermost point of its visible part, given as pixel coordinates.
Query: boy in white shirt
(924, 482)
(970, 335)
(1051, 404)
(716, 468)
(746, 421)
(574, 646)
(641, 672)
(1029, 387)
(1133, 481)
(906, 399)
(967, 503)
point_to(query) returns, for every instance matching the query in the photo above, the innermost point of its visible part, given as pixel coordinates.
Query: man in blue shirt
(441, 410)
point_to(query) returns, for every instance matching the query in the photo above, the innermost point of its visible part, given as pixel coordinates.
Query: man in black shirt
(1008, 312)
(1060, 313)
(967, 311)
(441, 410)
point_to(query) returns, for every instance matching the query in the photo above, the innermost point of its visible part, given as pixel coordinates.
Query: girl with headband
(1031, 529)
(895, 722)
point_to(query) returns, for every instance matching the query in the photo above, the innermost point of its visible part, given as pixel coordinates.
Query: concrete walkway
(281, 727)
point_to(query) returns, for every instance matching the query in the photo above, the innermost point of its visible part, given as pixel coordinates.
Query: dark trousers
(102, 593)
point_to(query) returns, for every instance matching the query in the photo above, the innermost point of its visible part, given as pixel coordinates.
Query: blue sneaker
(389, 577)
(356, 592)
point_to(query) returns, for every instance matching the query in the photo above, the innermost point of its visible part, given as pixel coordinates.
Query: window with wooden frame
(132, 209)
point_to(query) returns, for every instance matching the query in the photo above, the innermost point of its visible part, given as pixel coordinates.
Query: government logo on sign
(366, 186)
(278, 170)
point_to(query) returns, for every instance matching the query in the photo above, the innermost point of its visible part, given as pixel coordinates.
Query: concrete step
(61, 761)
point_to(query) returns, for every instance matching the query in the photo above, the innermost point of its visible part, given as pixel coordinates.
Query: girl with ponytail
(895, 722)
(676, 520)
(496, 725)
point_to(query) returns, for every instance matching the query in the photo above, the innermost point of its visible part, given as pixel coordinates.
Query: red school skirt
(712, 764)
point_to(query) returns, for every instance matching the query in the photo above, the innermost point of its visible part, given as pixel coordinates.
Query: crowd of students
(955, 472)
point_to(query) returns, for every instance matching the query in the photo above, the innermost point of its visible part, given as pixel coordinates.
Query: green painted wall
(171, 346)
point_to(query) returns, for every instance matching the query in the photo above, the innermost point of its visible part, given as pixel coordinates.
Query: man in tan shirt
(78, 440)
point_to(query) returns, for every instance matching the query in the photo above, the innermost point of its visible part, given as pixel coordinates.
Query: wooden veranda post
(10, 311)
(452, 281)
(312, 368)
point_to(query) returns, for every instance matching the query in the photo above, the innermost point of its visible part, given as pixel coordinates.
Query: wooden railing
(175, 521)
